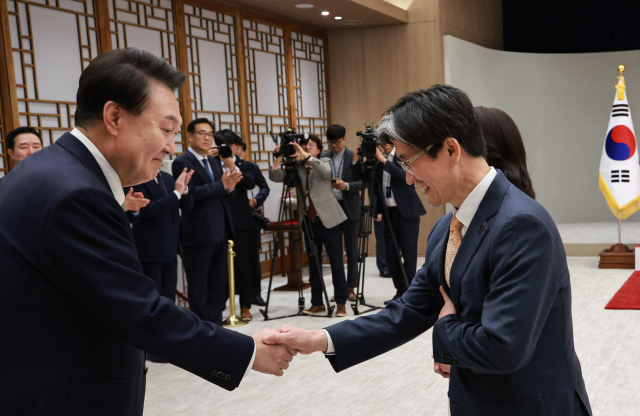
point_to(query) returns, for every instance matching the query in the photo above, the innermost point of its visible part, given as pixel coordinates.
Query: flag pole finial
(620, 87)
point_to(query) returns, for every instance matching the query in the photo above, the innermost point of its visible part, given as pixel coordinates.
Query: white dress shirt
(107, 170)
(116, 188)
(386, 182)
(337, 165)
(465, 214)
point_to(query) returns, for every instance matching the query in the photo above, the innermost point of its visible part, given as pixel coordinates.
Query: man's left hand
(133, 201)
(380, 155)
(448, 308)
(443, 369)
(340, 185)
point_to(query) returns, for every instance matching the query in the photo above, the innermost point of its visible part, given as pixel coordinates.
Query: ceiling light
(325, 13)
(304, 6)
(338, 17)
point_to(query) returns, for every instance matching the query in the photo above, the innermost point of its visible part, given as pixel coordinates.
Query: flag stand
(618, 256)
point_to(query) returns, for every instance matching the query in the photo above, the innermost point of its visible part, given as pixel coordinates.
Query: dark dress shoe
(385, 273)
(386, 302)
(258, 301)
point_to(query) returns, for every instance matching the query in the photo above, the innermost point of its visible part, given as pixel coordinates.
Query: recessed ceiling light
(325, 13)
(338, 17)
(304, 6)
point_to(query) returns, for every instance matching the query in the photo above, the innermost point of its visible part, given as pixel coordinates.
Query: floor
(402, 381)
(600, 232)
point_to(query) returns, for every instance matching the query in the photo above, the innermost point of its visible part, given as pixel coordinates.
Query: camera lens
(224, 151)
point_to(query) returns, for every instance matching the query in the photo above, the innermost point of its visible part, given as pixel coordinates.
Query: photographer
(405, 209)
(324, 214)
(241, 213)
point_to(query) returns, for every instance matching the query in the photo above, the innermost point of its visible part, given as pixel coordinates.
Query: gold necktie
(455, 238)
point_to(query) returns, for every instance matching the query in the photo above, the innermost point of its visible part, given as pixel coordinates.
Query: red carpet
(628, 297)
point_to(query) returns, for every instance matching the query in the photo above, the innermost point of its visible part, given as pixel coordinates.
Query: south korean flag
(619, 170)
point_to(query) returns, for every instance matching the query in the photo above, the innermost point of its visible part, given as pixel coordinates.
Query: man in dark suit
(22, 142)
(77, 312)
(256, 196)
(346, 189)
(243, 222)
(208, 226)
(156, 228)
(495, 285)
(405, 209)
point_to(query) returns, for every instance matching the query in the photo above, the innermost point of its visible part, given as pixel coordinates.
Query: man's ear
(11, 154)
(453, 149)
(111, 115)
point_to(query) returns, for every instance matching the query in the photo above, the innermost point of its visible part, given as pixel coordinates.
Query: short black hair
(336, 132)
(244, 146)
(11, 137)
(426, 118)
(191, 128)
(121, 76)
(226, 136)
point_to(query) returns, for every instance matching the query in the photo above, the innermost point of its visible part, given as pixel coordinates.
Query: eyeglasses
(405, 165)
(203, 133)
(333, 142)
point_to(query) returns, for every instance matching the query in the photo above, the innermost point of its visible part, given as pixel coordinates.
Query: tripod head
(367, 152)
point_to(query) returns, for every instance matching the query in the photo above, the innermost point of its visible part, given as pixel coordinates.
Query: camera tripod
(372, 188)
(291, 181)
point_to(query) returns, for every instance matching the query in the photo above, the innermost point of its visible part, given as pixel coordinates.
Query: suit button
(227, 377)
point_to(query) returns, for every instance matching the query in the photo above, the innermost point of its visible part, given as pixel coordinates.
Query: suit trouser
(381, 256)
(242, 266)
(579, 409)
(350, 230)
(254, 262)
(206, 270)
(164, 276)
(331, 239)
(406, 233)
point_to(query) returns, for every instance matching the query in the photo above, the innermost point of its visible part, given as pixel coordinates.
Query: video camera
(288, 137)
(369, 141)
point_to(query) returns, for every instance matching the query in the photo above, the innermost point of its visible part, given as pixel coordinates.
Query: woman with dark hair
(505, 150)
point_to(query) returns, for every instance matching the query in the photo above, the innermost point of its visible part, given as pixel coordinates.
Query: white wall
(561, 104)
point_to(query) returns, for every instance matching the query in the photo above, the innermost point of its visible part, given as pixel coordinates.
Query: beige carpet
(402, 381)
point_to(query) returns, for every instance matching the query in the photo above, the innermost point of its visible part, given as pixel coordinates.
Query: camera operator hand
(230, 179)
(300, 152)
(356, 154)
(380, 155)
(229, 162)
(339, 184)
(378, 218)
(213, 152)
(278, 161)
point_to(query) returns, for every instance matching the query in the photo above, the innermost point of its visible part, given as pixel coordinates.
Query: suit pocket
(533, 406)
(99, 390)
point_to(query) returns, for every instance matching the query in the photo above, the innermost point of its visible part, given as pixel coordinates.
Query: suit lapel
(476, 233)
(198, 167)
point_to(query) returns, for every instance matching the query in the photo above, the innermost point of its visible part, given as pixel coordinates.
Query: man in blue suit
(495, 285)
(156, 228)
(77, 312)
(208, 226)
(405, 209)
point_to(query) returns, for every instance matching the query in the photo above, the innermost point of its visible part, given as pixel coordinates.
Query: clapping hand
(271, 359)
(183, 181)
(230, 179)
(134, 201)
(300, 340)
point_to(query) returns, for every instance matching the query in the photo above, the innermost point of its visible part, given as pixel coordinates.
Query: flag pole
(619, 231)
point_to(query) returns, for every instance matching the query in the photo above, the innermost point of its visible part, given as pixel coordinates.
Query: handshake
(275, 349)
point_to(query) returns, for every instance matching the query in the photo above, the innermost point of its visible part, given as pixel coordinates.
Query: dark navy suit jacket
(510, 345)
(156, 227)
(407, 200)
(210, 217)
(239, 202)
(76, 312)
(262, 183)
(351, 197)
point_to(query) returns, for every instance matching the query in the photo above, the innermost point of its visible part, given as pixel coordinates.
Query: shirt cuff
(331, 350)
(347, 186)
(135, 214)
(253, 358)
(186, 190)
(177, 194)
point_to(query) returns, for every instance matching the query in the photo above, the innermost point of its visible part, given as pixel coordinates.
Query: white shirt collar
(112, 176)
(196, 154)
(470, 205)
(391, 155)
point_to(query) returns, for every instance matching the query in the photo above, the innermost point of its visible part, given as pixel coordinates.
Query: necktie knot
(456, 225)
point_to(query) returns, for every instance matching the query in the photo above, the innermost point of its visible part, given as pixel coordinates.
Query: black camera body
(287, 138)
(224, 151)
(259, 216)
(369, 141)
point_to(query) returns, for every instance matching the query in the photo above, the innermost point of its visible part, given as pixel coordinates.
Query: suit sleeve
(262, 184)
(321, 166)
(395, 171)
(521, 293)
(276, 175)
(399, 322)
(248, 180)
(88, 253)
(156, 206)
